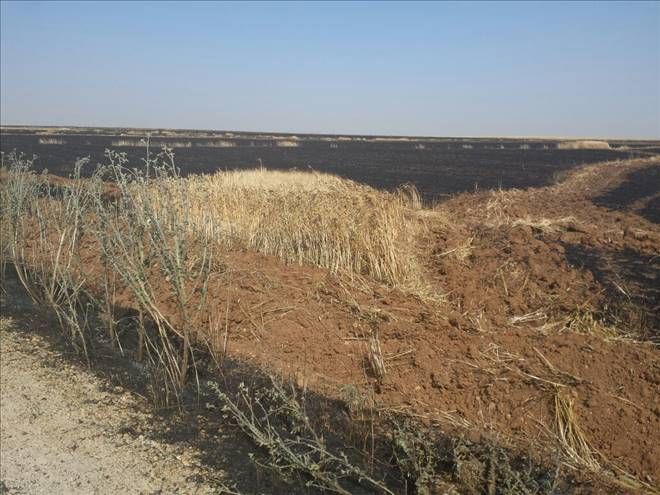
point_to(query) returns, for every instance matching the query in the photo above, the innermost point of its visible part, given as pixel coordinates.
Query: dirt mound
(549, 251)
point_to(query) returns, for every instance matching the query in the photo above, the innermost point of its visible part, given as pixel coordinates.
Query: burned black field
(436, 166)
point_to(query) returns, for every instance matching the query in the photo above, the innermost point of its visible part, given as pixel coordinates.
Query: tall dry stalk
(45, 228)
(143, 241)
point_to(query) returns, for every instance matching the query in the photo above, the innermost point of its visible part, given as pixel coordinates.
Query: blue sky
(443, 69)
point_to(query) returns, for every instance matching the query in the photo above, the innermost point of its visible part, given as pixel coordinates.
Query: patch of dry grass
(584, 322)
(584, 144)
(573, 441)
(501, 210)
(496, 212)
(461, 252)
(546, 225)
(306, 218)
(580, 454)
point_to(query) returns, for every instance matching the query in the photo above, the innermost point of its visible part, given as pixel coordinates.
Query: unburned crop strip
(305, 218)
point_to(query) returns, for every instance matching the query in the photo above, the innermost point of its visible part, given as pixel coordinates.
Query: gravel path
(63, 431)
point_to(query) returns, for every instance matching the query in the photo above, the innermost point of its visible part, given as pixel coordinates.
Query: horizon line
(331, 134)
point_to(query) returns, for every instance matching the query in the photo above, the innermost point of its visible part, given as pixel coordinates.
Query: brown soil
(516, 271)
